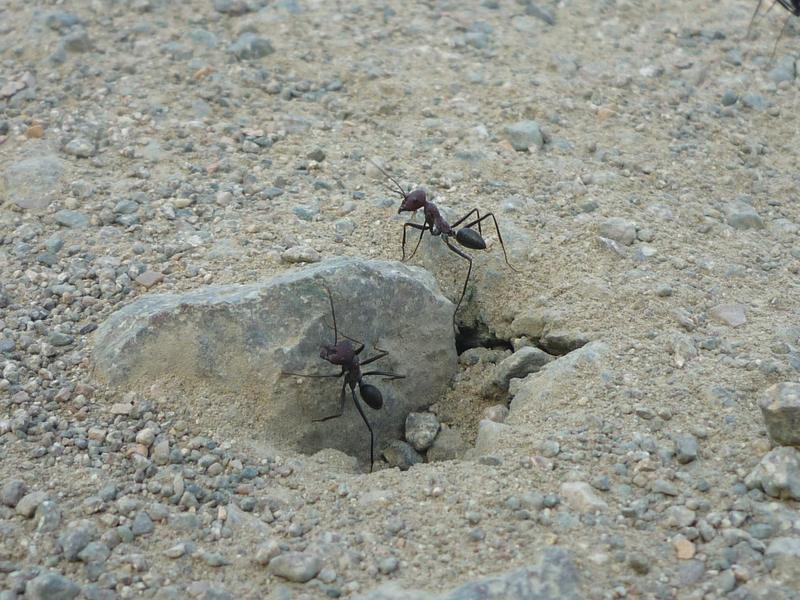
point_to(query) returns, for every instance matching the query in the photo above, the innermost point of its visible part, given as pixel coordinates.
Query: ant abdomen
(470, 238)
(371, 395)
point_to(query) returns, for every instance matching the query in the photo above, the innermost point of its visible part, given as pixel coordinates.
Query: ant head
(327, 351)
(413, 201)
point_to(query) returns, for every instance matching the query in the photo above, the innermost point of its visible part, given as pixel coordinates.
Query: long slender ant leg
(341, 407)
(374, 358)
(422, 230)
(371, 435)
(314, 375)
(385, 374)
(474, 211)
(753, 18)
(780, 35)
(499, 237)
(469, 271)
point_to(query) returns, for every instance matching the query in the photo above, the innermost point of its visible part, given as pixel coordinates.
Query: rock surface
(780, 407)
(236, 341)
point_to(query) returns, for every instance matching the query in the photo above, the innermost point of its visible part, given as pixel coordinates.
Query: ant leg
(385, 374)
(753, 18)
(469, 271)
(378, 356)
(474, 211)
(341, 407)
(780, 35)
(371, 434)
(310, 374)
(499, 237)
(422, 230)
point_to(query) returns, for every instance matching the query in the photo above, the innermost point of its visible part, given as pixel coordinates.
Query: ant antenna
(392, 179)
(333, 314)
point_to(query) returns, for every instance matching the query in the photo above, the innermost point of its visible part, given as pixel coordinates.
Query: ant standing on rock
(438, 226)
(343, 354)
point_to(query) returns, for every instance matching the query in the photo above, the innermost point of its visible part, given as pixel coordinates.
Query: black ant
(343, 354)
(438, 226)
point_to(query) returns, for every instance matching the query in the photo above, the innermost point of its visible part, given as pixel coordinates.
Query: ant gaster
(438, 226)
(343, 354)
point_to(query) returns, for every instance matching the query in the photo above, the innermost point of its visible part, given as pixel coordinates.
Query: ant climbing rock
(343, 354)
(466, 237)
(793, 6)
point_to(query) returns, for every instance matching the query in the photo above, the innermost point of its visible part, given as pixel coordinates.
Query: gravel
(642, 179)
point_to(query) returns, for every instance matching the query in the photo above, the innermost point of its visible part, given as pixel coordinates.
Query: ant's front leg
(422, 230)
(341, 406)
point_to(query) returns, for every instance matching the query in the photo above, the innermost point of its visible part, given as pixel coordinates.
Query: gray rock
(523, 362)
(448, 445)
(580, 496)
(142, 524)
(741, 215)
(729, 314)
(266, 551)
(58, 338)
(80, 147)
(563, 342)
(300, 254)
(780, 406)
(490, 436)
(401, 455)
(524, 135)
(553, 577)
(51, 586)
(231, 7)
(786, 546)
(31, 183)
(74, 540)
(533, 322)
(12, 492)
(94, 552)
(784, 70)
(685, 448)
(298, 567)
(778, 474)
(250, 46)
(421, 430)
(532, 394)
(71, 218)
(618, 229)
(48, 516)
(28, 504)
(729, 98)
(235, 341)
(77, 41)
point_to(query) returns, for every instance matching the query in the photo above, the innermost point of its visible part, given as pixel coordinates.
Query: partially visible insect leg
(474, 211)
(378, 356)
(422, 230)
(310, 374)
(385, 374)
(341, 406)
(469, 272)
(753, 18)
(780, 35)
(371, 434)
(499, 236)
